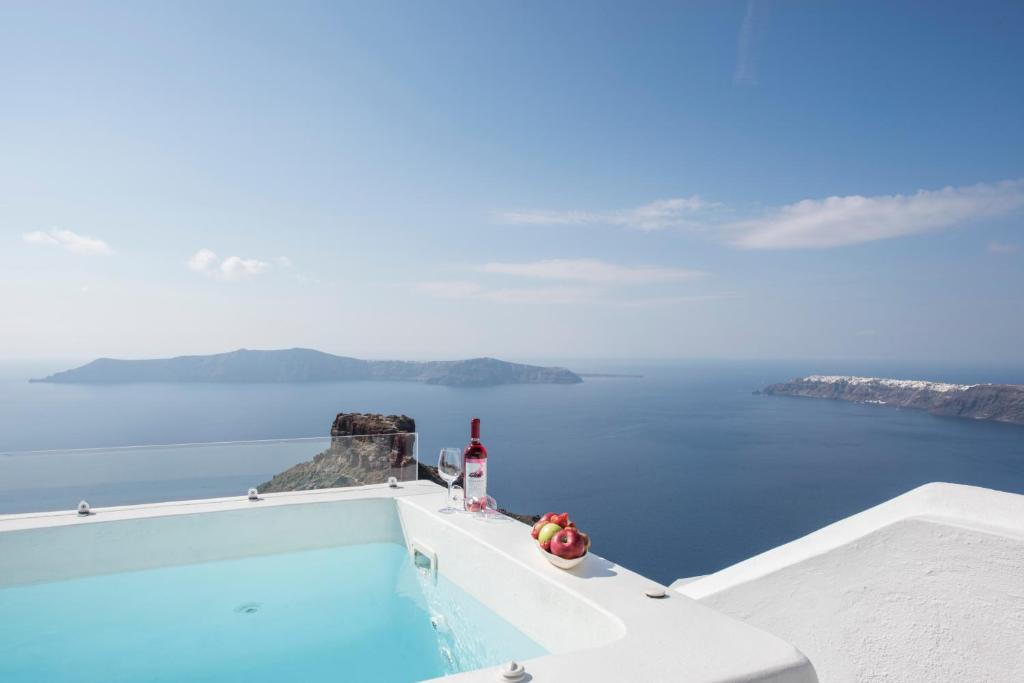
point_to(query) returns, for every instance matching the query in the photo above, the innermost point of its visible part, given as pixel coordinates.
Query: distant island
(999, 402)
(308, 365)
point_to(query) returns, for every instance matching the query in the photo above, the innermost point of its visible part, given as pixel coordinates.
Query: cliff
(365, 449)
(999, 402)
(308, 365)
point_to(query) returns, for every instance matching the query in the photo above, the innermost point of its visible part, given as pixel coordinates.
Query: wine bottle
(475, 459)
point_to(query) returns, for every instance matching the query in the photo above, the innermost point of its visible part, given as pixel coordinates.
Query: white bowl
(561, 562)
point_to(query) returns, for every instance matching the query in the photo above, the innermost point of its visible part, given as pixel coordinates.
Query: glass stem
(450, 494)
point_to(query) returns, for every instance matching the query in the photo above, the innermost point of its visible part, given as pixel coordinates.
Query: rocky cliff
(365, 449)
(999, 402)
(308, 365)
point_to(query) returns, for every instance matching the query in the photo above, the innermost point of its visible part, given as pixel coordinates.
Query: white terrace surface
(926, 587)
(594, 619)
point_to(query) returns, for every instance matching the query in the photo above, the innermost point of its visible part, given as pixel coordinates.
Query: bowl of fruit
(558, 540)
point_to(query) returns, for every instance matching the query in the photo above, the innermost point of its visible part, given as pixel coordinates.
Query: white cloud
(451, 290)
(842, 221)
(230, 268)
(746, 71)
(561, 295)
(203, 260)
(586, 281)
(40, 237)
(539, 295)
(811, 223)
(658, 301)
(591, 271)
(657, 215)
(1003, 248)
(661, 214)
(235, 267)
(283, 261)
(509, 295)
(66, 239)
(545, 217)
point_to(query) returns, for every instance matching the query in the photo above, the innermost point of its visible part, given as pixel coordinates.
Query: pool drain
(248, 608)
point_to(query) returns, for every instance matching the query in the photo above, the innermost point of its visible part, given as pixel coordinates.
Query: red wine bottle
(475, 464)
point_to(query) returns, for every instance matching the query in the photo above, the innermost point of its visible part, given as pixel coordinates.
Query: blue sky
(519, 179)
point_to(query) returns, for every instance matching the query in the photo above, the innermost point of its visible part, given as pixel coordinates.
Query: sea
(676, 473)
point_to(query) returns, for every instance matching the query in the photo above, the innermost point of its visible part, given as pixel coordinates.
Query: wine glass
(449, 467)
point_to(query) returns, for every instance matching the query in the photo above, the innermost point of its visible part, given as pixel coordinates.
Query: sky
(431, 180)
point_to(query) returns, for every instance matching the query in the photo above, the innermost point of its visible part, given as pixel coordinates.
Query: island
(999, 402)
(308, 365)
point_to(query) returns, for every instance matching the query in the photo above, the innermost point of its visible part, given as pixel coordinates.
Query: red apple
(569, 543)
(562, 520)
(586, 539)
(548, 517)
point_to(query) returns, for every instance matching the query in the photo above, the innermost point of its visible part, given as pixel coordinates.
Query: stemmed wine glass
(449, 467)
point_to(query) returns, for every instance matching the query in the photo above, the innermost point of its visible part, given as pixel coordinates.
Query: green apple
(546, 533)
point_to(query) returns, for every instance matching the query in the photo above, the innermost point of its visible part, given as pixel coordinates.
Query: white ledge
(928, 586)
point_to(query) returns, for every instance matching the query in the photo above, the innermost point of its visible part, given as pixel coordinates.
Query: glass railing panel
(38, 481)
(351, 461)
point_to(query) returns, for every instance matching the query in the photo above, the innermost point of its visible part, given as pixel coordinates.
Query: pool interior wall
(355, 612)
(76, 550)
(314, 591)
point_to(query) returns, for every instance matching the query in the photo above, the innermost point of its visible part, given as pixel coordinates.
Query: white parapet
(928, 586)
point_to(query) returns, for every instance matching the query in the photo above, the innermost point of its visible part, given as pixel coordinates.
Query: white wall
(97, 547)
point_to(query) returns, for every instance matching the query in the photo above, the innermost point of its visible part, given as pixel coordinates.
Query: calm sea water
(679, 473)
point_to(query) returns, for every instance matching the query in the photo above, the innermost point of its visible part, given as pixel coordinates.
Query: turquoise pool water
(353, 613)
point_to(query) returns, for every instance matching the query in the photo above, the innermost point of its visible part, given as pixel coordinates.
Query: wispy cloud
(807, 224)
(746, 68)
(235, 267)
(1003, 248)
(842, 221)
(582, 281)
(591, 271)
(468, 290)
(657, 215)
(450, 289)
(657, 301)
(231, 268)
(461, 289)
(66, 239)
(202, 261)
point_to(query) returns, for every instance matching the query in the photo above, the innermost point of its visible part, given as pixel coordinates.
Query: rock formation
(365, 449)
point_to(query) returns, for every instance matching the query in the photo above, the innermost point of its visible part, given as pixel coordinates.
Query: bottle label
(476, 478)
